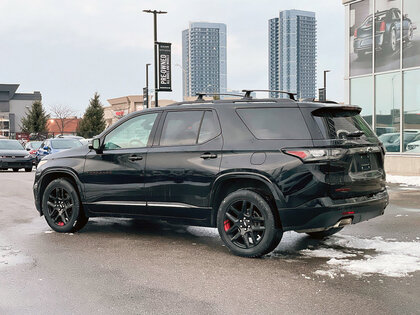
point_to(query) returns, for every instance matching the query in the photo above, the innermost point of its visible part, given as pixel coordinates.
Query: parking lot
(125, 266)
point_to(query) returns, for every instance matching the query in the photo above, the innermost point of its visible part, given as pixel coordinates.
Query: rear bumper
(324, 213)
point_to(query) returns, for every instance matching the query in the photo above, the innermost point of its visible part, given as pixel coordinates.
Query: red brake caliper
(227, 225)
(60, 223)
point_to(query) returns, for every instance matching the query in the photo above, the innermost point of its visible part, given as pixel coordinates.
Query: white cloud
(70, 49)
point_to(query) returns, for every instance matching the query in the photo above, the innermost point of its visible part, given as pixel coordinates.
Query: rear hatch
(354, 156)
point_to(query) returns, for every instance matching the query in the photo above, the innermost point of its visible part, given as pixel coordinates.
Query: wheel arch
(228, 183)
(54, 174)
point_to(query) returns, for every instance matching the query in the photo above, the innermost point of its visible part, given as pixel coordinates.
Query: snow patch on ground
(12, 257)
(405, 180)
(365, 257)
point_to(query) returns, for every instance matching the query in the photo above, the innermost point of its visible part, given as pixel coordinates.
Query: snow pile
(408, 180)
(11, 257)
(364, 257)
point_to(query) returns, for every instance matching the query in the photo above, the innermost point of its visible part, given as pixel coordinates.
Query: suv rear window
(336, 125)
(276, 123)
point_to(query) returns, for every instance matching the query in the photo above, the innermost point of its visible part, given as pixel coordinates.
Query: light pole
(147, 85)
(325, 83)
(184, 79)
(155, 13)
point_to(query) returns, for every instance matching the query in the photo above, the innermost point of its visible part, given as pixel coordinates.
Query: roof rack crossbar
(290, 94)
(200, 96)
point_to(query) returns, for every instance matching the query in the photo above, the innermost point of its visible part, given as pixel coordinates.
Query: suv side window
(275, 123)
(208, 129)
(181, 128)
(133, 133)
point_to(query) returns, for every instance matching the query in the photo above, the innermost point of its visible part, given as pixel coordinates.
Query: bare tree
(62, 114)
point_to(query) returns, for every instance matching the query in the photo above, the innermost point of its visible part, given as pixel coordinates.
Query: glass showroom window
(361, 94)
(388, 110)
(412, 111)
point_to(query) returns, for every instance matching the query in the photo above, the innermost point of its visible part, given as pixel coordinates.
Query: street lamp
(184, 80)
(147, 85)
(155, 13)
(325, 83)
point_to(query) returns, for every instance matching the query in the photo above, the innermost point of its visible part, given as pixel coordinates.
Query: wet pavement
(124, 266)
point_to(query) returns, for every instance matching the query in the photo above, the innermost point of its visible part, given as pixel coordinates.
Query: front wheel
(246, 224)
(28, 169)
(324, 234)
(61, 207)
(15, 170)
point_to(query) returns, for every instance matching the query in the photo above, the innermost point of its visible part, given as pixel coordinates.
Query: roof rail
(290, 94)
(200, 96)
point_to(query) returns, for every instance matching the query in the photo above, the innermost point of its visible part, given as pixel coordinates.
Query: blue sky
(70, 49)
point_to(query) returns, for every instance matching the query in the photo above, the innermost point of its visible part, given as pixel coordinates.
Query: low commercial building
(124, 105)
(382, 76)
(13, 107)
(66, 126)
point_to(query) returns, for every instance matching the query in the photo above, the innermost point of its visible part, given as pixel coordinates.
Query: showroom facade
(382, 74)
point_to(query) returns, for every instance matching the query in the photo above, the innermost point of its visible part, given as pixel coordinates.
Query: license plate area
(364, 162)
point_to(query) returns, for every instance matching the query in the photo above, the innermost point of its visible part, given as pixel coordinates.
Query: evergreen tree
(93, 121)
(36, 119)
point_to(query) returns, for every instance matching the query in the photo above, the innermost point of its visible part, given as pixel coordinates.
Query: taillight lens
(32, 152)
(315, 154)
(355, 33)
(382, 27)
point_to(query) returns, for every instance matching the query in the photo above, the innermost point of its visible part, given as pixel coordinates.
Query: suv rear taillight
(355, 33)
(382, 27)
(315, 154)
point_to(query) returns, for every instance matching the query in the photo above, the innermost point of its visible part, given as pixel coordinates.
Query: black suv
(253, 168)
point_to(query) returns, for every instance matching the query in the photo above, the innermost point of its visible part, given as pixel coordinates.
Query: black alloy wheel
(246, 224)
(61, 207)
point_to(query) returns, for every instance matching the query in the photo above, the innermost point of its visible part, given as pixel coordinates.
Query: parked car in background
(13, 155)
(388, 138)
(408, 138)
(32, 147)
(55, 145)
(387, 32)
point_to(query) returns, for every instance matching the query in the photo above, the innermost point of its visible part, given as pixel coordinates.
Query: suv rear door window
(208, 128)
(181, 128)
(275, 123)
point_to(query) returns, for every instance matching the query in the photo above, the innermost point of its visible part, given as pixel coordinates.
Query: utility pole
(147, 85)
(325, 83)
(155, 13)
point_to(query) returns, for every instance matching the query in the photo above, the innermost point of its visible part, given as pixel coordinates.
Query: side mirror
(95, 144)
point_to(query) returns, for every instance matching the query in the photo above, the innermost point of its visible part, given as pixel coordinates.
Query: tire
(392, 41)
(324, 234)
(61, 207)
(28, 169)
(247, 214)
(15, 170)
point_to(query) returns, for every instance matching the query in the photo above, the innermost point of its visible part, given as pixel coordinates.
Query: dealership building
(13, 107)
(382, 76)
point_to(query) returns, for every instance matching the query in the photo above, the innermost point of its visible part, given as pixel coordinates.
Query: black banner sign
(164, 67)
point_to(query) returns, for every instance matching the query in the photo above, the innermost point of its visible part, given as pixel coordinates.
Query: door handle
(208, 155)
(135, 158)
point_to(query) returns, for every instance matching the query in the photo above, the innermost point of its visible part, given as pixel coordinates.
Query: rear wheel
(246, 224)
(28, 169)
(61, 207)
(15, 170)
(324, 234)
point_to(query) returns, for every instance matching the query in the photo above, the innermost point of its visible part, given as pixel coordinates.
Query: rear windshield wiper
(355, 134)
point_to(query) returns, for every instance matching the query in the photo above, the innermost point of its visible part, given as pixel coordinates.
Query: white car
(415, 145)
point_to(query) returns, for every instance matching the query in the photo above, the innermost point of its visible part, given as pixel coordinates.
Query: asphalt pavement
(125, 266)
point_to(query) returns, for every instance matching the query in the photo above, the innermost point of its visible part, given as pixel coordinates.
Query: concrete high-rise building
(292, 53)
(204, 58)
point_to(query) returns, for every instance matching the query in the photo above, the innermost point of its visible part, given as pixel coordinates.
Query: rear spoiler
(337, 111)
